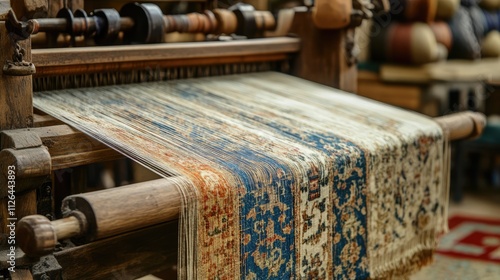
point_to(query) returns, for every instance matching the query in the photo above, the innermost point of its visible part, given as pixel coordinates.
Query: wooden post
(16, 111)
(16, 104)
(323, 57)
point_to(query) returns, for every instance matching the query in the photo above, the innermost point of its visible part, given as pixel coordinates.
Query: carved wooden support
(16, 111)
(16, 107)
(23, 153)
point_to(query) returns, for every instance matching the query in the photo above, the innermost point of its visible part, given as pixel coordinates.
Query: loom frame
(322, 56)
(70, 148)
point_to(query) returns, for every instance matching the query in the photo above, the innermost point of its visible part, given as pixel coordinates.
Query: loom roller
(145, 23)
(102, 214)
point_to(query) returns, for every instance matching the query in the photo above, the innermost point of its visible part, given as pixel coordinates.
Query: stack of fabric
(423, 31)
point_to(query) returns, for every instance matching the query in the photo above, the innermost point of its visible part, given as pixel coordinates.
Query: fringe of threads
(408, 258)
(188, 220)
(412, 265)
(443, 229)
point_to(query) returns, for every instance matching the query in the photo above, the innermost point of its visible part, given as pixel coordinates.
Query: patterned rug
(281, 178)
(471, 250)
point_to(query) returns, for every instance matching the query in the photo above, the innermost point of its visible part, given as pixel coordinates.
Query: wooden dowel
(67, 227)
(462, 125)
(117, 210)
(102, 214)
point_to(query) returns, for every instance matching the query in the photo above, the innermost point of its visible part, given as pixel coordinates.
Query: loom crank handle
(463, 125)
(38, 236)
(101, 214)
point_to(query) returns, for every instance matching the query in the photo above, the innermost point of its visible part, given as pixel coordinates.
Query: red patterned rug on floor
(470, 251)
(472, 238)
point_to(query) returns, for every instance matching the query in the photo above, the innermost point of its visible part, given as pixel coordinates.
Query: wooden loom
(37, 145)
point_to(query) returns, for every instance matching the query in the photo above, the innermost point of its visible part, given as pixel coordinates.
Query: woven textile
(284, 178)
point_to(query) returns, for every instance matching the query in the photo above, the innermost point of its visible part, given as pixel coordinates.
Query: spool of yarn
(406, 43)
(442, 32)
(478, 20)
(446, 9)
(491, 20)
(414, 10)
(465, 43)
(490, 46)
(490, 4)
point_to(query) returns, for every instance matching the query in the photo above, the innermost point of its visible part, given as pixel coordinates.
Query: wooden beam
(44, 120)
(69, 147)
(122, 65)
(64, 140)
(158, 52)
(16, 100)
(127, 256)
(84, 158)
(16, 111)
